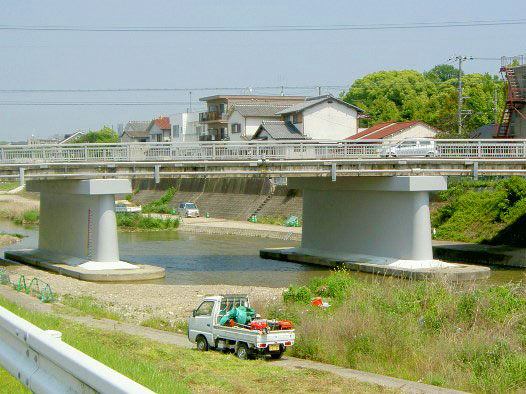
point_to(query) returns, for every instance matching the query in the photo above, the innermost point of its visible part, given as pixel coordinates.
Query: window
(205, 309)
(297, 118)
(200, 130)
(175, 130)
(408, 144)
(181, 205)
(235, 128)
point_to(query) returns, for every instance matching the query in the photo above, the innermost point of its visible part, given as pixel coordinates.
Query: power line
(89, 103)
(270, 28)
(279, 88)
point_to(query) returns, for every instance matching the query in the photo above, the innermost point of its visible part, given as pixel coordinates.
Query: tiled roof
(259, 109)
(312, 101)
(382, 130)
(137, 129)
(280, 130)
(163, 123)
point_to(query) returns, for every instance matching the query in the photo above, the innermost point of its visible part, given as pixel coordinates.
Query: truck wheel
(242, 351)
(276, 356)
(202, 343)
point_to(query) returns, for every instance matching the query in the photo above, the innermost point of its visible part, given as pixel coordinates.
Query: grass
(89, 306)
(168, 369)
(479, 211)
(31, 216)
(159, 323)
(277, 220)
(465, 337)
(6, 186)
(163, 204)
(131, 221)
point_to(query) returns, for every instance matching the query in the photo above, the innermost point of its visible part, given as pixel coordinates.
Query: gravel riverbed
(140, 301)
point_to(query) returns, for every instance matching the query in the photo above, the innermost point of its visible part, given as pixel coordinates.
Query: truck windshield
(190, 206)
(205, 309)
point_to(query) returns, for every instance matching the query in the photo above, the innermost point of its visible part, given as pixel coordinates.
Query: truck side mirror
(193, 313)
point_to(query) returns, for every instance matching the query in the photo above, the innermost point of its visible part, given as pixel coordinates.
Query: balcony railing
(211, 116)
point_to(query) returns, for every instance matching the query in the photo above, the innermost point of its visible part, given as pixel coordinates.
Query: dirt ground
(139, 301)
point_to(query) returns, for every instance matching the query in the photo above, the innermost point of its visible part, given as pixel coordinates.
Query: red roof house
(396, 131)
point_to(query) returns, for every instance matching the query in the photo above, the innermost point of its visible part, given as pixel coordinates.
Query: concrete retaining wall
(228, 198)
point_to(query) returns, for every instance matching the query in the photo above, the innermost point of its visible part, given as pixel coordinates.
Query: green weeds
(132, 221)
(461, 336)
(163, 204)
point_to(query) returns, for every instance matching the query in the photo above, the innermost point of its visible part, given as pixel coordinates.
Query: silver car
(410, 147)
(188, 210)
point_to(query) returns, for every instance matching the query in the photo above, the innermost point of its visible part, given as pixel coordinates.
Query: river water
(193, 258)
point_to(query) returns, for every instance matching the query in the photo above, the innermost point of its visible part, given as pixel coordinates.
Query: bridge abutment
(78, 231)
(373, 224)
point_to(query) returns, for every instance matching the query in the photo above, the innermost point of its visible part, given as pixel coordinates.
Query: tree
(442, 73)
(106, 134)
(430, 97)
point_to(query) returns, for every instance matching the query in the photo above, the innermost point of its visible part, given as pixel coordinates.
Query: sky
(209, 60)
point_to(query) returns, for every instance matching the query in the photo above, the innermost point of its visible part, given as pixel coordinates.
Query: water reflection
(192, 258)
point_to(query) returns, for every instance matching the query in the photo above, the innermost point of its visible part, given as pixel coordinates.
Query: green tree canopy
(106, 134)
(442, 73)
(430, 97)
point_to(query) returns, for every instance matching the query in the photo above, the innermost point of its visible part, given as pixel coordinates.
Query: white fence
(309, 150)
(45, 364)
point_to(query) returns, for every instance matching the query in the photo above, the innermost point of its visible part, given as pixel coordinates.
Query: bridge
(218, 159)
(358, 204)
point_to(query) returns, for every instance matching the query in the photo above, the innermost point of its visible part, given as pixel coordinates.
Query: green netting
(36, 287)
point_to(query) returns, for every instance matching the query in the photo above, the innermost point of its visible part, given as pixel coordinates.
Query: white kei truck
(204, 330)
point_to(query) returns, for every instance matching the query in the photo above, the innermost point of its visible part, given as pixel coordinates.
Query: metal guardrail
(237, 151)
(45, 364)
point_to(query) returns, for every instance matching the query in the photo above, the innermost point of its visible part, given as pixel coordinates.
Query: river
(193, 258)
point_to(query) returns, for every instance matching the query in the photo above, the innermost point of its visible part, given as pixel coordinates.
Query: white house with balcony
(186, 127)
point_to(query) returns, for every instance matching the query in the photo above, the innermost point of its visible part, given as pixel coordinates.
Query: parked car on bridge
(188, 210)
(410, 147)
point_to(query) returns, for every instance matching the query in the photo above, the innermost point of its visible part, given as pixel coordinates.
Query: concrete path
(181, 340)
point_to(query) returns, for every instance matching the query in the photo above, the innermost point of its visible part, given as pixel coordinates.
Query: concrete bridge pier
(372, 224)
(78, 231)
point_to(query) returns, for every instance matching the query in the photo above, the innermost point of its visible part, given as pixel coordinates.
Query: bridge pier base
(78, 231)
(373, 224)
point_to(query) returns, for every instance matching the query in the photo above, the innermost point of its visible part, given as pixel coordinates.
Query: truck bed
(253, 336)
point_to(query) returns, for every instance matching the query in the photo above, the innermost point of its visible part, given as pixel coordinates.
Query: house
(135, 131)
(324, 118)
(160, 129)
(245, 119)
(71, 138)
(396, 131)
(186, 127)
(237, 117)
(277, 130)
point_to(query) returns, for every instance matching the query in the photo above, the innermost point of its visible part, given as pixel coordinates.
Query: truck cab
(205, 330)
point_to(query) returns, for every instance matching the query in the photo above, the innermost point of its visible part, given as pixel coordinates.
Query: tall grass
(132, 221)
(465, 337)
(163, 204)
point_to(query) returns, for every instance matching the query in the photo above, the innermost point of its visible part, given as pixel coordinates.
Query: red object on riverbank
(317, 302)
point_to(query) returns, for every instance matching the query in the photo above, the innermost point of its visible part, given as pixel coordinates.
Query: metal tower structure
(515, 98)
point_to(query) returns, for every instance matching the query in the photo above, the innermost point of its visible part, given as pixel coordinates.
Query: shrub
(163, 204)
(134, 221)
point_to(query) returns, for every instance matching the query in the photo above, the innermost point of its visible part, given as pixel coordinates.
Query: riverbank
(464, 336)
(137, 302)
(153, 361)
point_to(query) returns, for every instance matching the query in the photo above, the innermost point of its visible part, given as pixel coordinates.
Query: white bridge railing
(201, 151)
(45, 364)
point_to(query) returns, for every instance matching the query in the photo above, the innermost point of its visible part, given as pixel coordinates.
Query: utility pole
(495, 105)
(319, 90)
(460, 59)
(190, 101)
